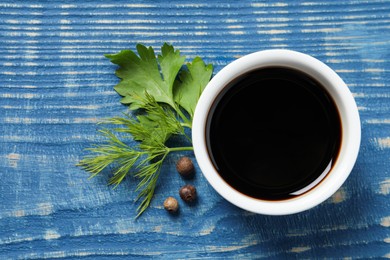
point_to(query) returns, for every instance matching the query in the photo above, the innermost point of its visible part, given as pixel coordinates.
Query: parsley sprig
(164, 91)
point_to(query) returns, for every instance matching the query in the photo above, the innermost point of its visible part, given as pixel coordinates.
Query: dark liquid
(273, 132)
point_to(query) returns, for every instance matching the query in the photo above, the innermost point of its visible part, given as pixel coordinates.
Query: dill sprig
(144, 160)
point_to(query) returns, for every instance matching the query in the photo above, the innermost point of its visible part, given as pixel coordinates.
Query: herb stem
(189, 125)
(177, 149)
(187, 122)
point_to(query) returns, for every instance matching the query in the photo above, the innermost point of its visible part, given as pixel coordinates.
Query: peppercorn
(171, 204)
(185, 166)
(188, 193)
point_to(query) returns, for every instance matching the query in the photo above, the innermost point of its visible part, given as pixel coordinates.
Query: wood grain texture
(55, 85)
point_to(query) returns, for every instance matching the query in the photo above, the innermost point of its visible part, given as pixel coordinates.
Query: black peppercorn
(188, 193)
(171, 204)
(185, 166)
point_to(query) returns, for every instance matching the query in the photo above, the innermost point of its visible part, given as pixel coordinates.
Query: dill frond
(144, 160)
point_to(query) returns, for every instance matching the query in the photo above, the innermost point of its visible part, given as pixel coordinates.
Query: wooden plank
(55, 85)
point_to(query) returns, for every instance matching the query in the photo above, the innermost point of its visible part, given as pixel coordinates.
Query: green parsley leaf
(192, 82)
(146, 73)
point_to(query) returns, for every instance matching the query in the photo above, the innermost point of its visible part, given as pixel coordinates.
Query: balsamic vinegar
(273, 132)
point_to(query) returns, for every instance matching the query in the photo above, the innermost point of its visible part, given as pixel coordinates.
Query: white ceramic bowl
(347, 108)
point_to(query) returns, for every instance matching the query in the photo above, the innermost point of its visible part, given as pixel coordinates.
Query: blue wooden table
(55, 85)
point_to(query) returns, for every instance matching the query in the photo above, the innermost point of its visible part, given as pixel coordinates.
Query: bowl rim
(351, 130)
